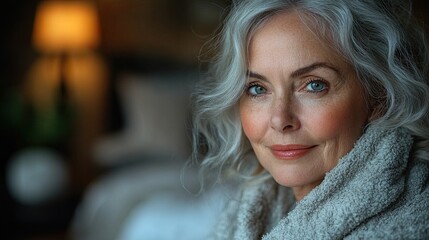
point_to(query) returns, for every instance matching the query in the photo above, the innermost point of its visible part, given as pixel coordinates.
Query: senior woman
(322, 107)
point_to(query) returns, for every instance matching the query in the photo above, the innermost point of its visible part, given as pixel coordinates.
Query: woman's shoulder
(254, 208)
(408, 217)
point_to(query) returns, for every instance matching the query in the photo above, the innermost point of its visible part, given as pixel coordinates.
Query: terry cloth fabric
(377, 191)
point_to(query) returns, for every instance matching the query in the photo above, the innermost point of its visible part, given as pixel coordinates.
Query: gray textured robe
(375, 192)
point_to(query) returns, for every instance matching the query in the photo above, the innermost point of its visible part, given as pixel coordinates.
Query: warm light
(66, 26)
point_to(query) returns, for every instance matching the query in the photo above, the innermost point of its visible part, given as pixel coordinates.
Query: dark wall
(16, 55)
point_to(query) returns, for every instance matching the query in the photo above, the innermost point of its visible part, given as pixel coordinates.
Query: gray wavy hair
(379, 38)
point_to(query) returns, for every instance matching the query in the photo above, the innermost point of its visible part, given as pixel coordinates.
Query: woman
(324, 104)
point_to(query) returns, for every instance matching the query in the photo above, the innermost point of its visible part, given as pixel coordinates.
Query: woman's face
(303, 107)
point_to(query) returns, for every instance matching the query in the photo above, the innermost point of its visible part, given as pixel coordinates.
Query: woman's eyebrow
(298, 72)
(311, 67)
(251, 74)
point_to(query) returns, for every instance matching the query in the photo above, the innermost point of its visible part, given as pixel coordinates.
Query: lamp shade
(65, 26)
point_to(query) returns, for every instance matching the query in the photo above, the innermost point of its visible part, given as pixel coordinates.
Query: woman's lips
(290, 151)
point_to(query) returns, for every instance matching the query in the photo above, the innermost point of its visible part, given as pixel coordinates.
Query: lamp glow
(66, 26)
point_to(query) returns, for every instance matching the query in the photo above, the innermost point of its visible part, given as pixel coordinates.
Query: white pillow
(156, 115)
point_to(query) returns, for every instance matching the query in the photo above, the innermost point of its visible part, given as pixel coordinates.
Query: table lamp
(62, 28)
(69, 76)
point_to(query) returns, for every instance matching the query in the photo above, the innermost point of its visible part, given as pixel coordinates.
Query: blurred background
(94, 109)
(94, 117)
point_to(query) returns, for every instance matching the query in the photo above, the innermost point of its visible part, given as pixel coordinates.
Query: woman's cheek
(253, 120)
(326, 124)
(330, 122)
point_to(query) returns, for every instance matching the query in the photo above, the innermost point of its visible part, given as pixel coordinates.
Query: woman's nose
(283, 116)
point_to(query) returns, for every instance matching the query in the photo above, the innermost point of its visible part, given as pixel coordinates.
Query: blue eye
(316, 86)
(256, 90)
